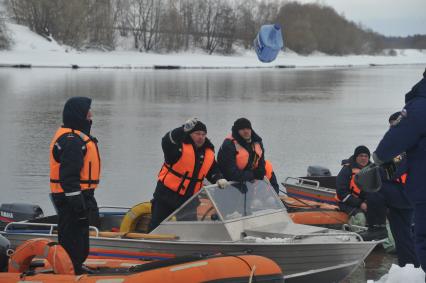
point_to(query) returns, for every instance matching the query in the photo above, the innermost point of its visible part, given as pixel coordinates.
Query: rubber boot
(374, 233)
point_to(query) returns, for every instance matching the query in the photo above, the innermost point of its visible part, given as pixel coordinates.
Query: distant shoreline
(179, 67)
(44, 57)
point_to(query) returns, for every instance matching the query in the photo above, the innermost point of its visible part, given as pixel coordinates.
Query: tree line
(219, 26)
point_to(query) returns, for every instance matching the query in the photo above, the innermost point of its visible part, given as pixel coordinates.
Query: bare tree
(143, 19)
(246, 26)
(101, 24)
(4, 37)
(172, 27)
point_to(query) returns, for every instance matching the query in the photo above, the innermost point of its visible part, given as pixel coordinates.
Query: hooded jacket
(71, 150)
(409, 135)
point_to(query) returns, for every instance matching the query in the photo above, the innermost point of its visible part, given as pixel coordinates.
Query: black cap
(241, 123)
(361, 149)
(394, 116)
(199, 126)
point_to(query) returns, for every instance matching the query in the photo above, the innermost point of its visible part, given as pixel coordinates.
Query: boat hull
(325, 262)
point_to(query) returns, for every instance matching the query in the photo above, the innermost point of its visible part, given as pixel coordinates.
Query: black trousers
(400, 216)
(73, 233)
(376, 209)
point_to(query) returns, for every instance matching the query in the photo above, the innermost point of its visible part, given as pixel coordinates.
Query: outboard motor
(4, 258)
(318, 171)
(10, 212)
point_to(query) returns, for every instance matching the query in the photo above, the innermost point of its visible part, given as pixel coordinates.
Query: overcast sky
(388, 17)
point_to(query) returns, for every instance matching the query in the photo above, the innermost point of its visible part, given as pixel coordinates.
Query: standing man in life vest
(408, 134)
(241, 157)
(74, 175)
(361, 206)
(188, 159)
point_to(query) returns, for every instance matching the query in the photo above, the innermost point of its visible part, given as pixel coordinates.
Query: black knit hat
(199, 126)
(361, 149)
(241, 123)
(394, 116)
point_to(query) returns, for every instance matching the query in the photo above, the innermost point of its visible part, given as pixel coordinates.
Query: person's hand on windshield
(222, 183)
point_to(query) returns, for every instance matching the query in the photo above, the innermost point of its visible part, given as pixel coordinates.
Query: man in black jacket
(358, 203)
(188, 160)
(74, 175)
(241, 157)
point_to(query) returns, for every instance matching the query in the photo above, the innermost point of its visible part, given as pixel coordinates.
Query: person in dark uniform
(400, 210)
(188, 159)
(74, 175)
(241, 157)
(408, 134)
(358, 203)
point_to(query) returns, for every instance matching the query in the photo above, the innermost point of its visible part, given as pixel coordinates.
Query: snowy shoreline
(178, 67)
(30, 50)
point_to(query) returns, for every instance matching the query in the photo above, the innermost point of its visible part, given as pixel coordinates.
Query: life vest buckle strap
(86, 182)
(89, 182)
(185, 176)
(181, 185)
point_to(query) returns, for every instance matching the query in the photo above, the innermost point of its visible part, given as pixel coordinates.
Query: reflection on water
(305, 117)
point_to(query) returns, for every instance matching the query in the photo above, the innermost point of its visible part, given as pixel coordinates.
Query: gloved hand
(259, 173)
(222, 183)
(189, 124)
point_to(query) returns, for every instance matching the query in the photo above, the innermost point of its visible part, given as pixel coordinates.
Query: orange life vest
(353, 188)
(243, 155)
(268, 169)
(402, 179)
(89, 174)
(178, 176)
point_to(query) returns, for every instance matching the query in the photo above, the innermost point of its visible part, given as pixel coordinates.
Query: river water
(305, 117)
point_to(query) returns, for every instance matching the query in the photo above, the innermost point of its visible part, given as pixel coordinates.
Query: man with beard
(188, 159)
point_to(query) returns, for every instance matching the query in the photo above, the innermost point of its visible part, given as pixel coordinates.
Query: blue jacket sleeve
(406, 134)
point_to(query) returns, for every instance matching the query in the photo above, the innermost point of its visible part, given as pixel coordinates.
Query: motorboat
(241, 218)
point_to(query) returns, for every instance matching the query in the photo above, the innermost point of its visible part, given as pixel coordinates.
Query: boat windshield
(234, 201)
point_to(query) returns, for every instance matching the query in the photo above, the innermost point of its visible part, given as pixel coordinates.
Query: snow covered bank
(402, 274)
(31, 49)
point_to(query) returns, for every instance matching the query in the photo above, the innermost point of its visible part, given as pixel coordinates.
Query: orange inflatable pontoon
(310, 212)
(58, 268)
